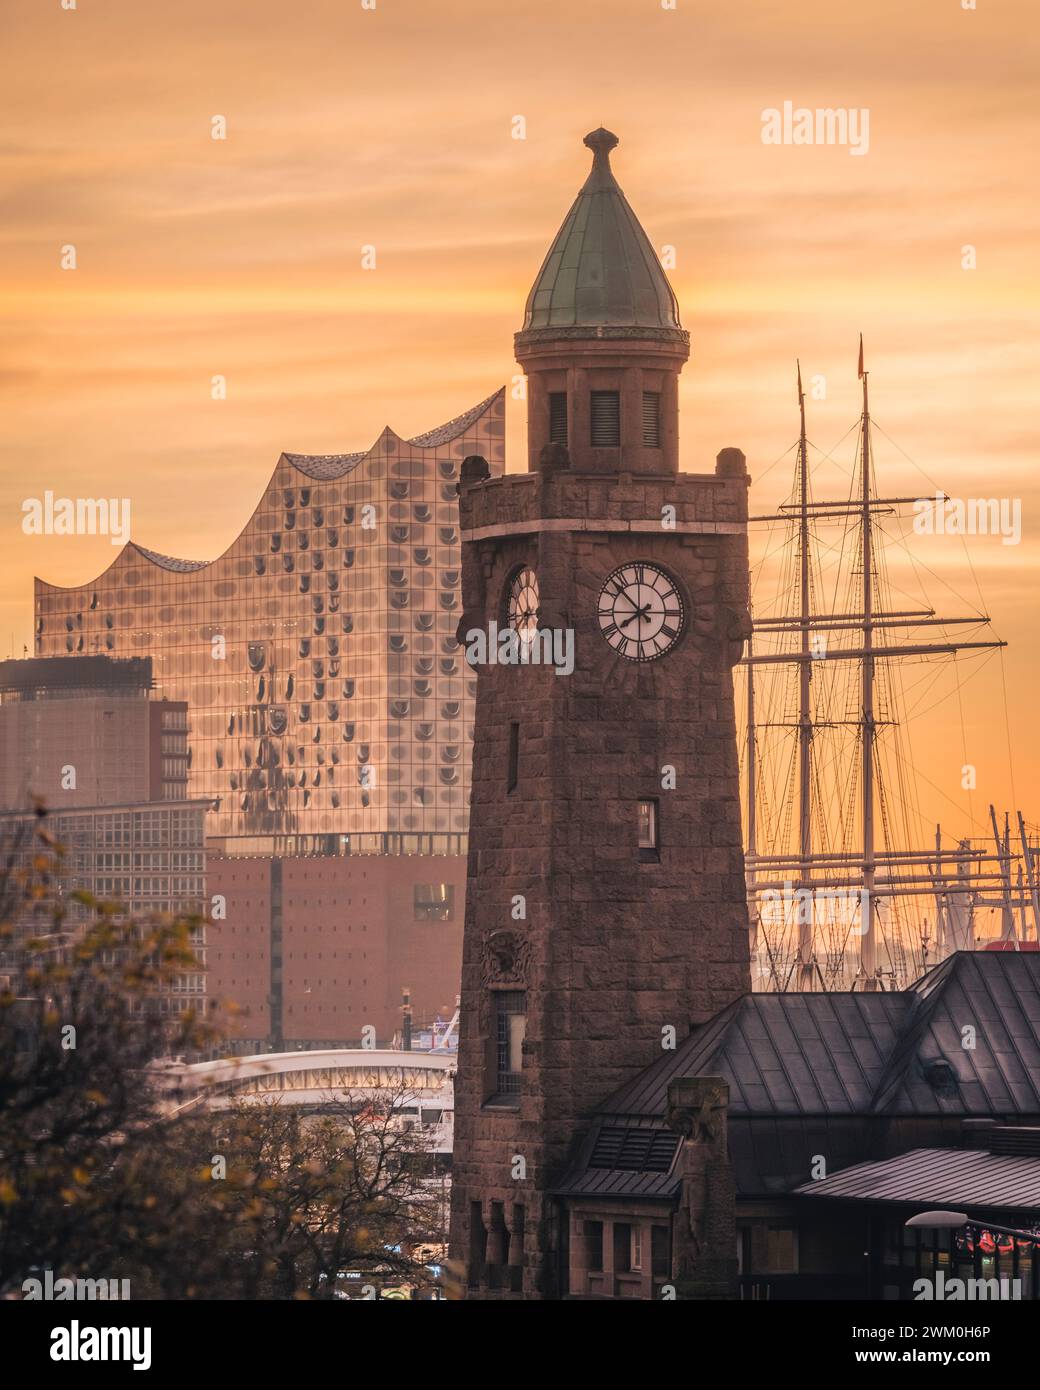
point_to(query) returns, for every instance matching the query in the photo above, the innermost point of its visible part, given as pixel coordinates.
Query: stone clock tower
(606, 904)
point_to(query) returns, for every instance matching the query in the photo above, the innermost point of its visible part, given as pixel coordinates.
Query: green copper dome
(601, 271)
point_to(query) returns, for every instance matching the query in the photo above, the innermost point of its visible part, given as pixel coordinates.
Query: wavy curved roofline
(431, 439)
(329, 467)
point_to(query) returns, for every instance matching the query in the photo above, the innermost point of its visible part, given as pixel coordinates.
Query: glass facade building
(331, 708)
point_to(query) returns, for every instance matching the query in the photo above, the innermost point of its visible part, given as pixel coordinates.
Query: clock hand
(639, 613)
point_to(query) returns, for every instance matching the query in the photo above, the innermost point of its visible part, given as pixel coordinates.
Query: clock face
(522, 608)
(641, 612)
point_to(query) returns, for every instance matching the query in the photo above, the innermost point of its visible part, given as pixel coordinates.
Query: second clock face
(641, 612)
(522, 607)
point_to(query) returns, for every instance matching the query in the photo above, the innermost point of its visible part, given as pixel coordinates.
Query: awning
(954, 1178)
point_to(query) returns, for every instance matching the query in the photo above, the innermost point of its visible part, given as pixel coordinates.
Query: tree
(79, 1025)
(294, 1199)
(105, 1175)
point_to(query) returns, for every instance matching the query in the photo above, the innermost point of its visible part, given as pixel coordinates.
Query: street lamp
(952, 1220)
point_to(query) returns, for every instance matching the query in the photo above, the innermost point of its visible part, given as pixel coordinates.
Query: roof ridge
(329, 467)
(453, 428)
(169, 562)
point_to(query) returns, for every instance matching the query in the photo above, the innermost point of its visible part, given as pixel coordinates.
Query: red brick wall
(350, 944)
(238, 953)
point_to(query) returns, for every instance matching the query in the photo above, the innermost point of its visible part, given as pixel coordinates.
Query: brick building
(804, 1130)
(315, 949)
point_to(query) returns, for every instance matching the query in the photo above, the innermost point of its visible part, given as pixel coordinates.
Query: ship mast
(868, 976)
(804, 899)
(877, 874)
(752, 821)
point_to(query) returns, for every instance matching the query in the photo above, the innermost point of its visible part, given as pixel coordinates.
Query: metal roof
(806, 1071)
(858, 1054)
(170, 562)
(782, 1054)
(996, 1067)
(444, 434)
(631, 1178)
(326, 467)
(601, 270)
(938, 1177)
(616, 1182)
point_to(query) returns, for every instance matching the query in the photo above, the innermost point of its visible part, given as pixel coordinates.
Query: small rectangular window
(557, 417)
(781, 1250)
(513, 774)
(652, 419)
(510, 1030)
(593, 1245)
(637, 1247)
(434, 902)
(660, 1254)
(648, 830)
(622, 1247)
(605, 416)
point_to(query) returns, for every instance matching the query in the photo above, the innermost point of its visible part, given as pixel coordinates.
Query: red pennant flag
(799, 381)
(860, 372)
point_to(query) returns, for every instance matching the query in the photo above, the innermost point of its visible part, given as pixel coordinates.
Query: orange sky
(392, 127)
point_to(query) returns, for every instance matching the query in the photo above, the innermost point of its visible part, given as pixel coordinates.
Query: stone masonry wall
(611, 949)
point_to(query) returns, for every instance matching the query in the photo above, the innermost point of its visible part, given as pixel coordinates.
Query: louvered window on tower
(634, 1150)
(557, 417)
(606, 419)
(652, 419)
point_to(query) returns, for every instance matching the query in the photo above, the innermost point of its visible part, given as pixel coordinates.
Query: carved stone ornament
(698, 1115)
(735, 630)
(504, 958)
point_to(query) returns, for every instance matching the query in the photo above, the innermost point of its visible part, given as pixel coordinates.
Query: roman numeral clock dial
(522, 604)
(641, 612)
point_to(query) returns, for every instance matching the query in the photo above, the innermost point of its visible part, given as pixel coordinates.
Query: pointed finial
(601, 142)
